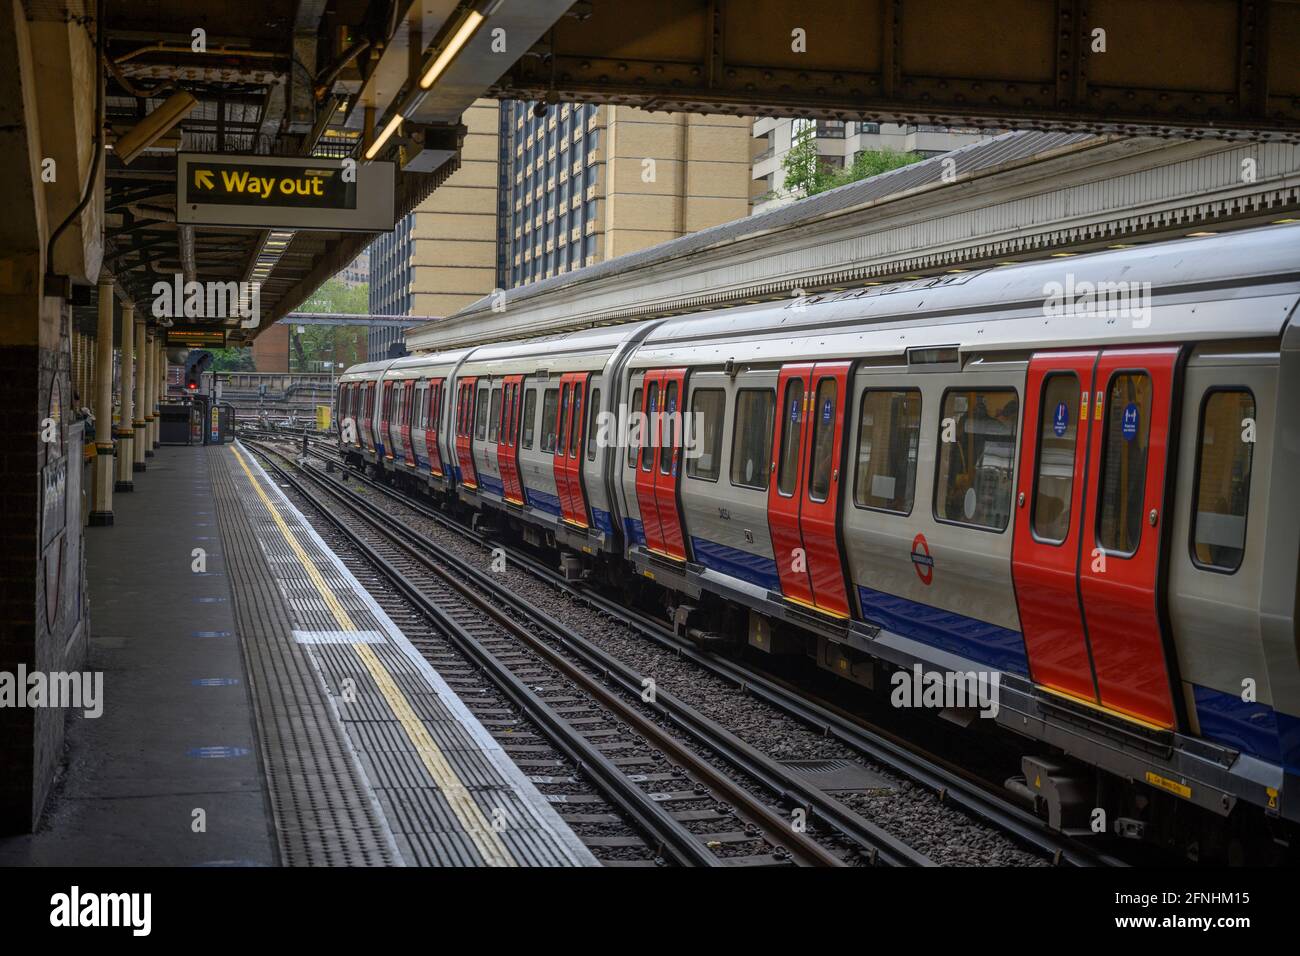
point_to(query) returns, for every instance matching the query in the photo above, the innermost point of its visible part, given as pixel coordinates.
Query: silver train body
(1068, 477)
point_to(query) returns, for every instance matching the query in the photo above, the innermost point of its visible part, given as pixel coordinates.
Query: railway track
(953, 783)
(545, 671)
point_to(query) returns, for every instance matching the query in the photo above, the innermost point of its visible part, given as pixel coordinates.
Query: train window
(823, 440)
(575, 422)
(1124, 462)
(791, 417)
(481, 415)
(636, 428)
(1057, 437)
(751, 441)
(557, 443)
(977, 448)
(671, 419)
(648, 439)
(530, 417)
(889, 434)
(550, 401)
(494, 416)
(593, 412)
(1223, 479)
(704, 436)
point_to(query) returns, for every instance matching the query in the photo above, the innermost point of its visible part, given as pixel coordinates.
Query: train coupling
(1060, 793)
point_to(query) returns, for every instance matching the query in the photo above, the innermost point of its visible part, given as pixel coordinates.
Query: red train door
(385, 419)
(1049, 501)
(568, 445)
(465, 432)
(431, 429)
(668, 461)
(408, 413)
(646, 465)
(366, 425)
(803, 503)
(508, 439)
(1086, 555)
(1120, 562)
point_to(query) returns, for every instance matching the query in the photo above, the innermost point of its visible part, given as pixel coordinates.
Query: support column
(101, 512)
(149, 366)
(124, 432)
(157, 386)
(139, 424)
(162, 387)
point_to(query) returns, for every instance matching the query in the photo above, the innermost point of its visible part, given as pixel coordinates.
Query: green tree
(807, 174)
(334, 296)
(233, 360)
(318, 344)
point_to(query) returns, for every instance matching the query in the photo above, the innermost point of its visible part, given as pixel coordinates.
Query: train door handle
(1153, 517)
(1020, 501)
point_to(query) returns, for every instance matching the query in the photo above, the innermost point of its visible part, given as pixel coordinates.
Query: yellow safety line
(471, 817)
(476, 826)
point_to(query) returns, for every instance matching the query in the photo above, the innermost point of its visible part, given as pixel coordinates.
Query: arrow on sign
(203, 177)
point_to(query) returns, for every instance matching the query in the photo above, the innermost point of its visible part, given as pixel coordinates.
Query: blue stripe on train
(1252, 728)
(635, 531)
(603, 520)
(968, 637)
(491, 484)
(543, 501)
(754, 568)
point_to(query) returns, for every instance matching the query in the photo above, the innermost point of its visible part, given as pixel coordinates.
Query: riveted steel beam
(1160, 67)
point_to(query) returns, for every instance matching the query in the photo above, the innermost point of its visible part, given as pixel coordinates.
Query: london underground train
(1074, 478)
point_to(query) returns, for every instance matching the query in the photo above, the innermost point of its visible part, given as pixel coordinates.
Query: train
(1065, 480)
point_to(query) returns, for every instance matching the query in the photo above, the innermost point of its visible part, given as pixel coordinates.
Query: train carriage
(1064, 476)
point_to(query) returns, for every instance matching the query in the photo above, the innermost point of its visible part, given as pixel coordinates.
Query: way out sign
(283, 192)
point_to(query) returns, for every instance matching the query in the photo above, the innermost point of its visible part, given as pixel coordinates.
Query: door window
(1058, 427)
(823, 440)
(1124, 462)
(790, 428)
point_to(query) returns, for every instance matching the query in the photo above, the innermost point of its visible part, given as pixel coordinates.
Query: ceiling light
(448, 53)
(373, 149)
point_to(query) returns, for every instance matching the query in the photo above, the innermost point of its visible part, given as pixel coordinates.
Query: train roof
(1241, 284)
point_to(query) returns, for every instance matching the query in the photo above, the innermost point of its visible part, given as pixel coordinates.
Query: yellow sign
(1172, 786)
(322, 418)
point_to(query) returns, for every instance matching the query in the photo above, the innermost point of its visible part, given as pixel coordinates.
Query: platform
(261, 683)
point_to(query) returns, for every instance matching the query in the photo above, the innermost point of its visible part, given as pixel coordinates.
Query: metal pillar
(139, 423)
(159, 387)
(124, 432)
(101, 512)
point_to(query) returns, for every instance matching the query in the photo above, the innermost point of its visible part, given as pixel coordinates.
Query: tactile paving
(341, 690)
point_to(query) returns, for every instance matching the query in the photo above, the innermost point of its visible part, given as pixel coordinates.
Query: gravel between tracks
(909, 812)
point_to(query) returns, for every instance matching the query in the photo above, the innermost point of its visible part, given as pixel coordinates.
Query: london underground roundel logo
(921, 559)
